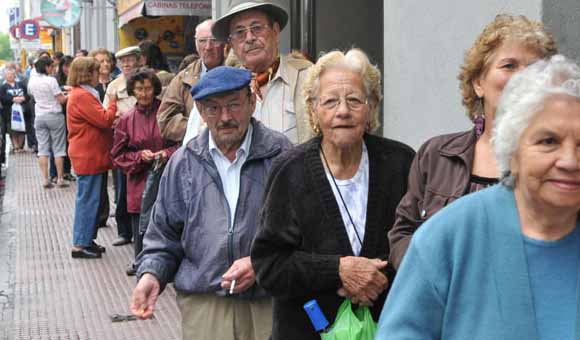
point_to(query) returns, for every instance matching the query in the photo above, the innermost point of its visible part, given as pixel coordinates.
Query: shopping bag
(17, 120)
(150, 194)
(351, 325)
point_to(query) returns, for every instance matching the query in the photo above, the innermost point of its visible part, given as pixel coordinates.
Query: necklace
(340, 195)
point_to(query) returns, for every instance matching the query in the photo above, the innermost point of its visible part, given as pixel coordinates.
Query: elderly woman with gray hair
(331, 201)
(503, 263)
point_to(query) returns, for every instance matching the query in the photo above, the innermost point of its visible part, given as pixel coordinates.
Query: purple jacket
(136, 131)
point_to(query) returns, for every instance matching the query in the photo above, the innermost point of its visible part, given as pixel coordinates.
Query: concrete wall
(98, 27)
(424, 46)
(562, 18)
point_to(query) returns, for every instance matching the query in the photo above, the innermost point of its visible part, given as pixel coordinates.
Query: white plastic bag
(17, 120)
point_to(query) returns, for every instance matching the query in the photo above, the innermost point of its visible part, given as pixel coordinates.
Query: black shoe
(131, 271)
(121, 241)
(96, 248)
(69, 177)
(85, 253)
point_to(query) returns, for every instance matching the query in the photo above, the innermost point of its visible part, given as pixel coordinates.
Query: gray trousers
(51, 134)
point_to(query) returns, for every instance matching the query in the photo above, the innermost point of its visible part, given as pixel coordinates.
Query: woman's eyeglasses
(354, 103)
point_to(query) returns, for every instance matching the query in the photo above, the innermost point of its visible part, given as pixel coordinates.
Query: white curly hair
(522, 98)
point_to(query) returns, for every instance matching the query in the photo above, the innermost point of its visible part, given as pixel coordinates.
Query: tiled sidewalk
(48, 295)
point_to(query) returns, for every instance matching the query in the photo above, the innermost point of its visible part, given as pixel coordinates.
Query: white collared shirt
(194, 123)
(230, 172)
(276, 109)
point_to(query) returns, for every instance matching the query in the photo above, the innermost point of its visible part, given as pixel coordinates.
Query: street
(44, 293)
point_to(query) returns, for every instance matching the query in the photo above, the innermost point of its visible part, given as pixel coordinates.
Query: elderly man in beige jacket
(177, 103)
(252, 29)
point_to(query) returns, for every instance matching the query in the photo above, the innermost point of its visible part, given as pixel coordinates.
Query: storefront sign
(61, 13)
(30, 44)
(200, 8)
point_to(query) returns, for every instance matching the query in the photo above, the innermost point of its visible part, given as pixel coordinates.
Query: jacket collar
(459, 144)
(192, 72)
(263, 143)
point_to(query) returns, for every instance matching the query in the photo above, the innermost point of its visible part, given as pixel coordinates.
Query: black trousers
(122, 217)
(137, 236)
(103, 212)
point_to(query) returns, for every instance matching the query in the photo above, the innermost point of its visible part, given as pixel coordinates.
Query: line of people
(252, 180)
(249, 228)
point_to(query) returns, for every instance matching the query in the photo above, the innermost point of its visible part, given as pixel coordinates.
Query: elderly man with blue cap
(206, 215)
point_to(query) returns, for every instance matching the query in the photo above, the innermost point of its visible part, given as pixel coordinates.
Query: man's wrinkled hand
(242, 272)
(145, 296)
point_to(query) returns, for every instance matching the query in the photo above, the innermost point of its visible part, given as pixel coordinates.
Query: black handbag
(150, 194)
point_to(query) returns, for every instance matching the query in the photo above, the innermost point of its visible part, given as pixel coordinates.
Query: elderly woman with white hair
(503, 263)
(331, 201)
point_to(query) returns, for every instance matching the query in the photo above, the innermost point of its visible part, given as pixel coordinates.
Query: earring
(316, 128)
(479, 122)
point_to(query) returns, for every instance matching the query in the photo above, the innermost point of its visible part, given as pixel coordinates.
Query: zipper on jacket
(232, 220)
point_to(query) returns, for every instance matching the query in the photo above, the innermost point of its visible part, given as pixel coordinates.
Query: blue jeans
(87, 205)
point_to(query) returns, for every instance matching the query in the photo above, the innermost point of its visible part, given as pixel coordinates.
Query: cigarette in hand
(232, 286)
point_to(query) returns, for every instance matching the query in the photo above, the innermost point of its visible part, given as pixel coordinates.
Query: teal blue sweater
(465, 276)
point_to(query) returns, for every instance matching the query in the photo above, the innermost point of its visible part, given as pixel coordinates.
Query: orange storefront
(169, 23)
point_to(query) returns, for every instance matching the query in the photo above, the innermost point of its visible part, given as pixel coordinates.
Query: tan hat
(221, 27)
(131, 50)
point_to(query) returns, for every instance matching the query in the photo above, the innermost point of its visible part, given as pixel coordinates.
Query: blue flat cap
(219, 80)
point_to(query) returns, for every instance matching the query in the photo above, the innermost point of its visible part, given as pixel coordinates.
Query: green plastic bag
(349, 325)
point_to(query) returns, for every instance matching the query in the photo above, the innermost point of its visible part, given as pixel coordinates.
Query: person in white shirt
(50, 121)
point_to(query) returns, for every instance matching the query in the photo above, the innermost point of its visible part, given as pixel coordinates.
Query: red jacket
(136, 131)
(90, 135)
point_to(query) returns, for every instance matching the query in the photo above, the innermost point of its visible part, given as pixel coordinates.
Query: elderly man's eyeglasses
(206, 41)
(354, 103)
(257, 30)
(213, 109)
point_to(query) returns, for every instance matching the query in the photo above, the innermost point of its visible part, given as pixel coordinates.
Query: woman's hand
(18, 100)
(147, 155)
(362, 279)
(162, 156)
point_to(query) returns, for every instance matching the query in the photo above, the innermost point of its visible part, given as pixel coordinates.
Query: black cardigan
(302, 236)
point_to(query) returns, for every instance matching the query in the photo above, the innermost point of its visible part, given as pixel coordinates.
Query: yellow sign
(124, 5)
(167, 32)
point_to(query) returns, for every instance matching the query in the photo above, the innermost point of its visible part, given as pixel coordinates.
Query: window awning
(200, 8)
(132, 13)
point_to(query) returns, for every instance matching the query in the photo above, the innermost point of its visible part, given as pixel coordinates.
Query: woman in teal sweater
(503, 263)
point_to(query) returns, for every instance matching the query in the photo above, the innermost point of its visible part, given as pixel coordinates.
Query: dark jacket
(188, 235)
(439, 175)
(302, 235)
(7, 92)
